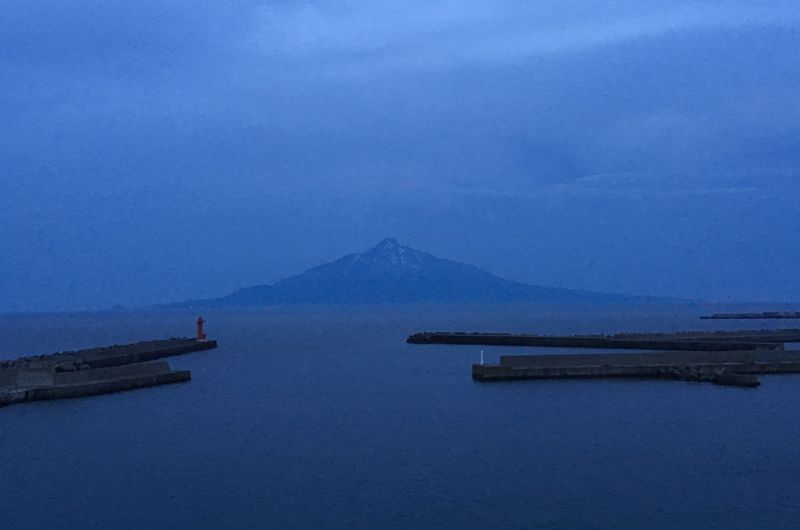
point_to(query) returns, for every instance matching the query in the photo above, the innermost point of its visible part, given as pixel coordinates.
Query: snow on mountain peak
(388, 244)
(390, 252)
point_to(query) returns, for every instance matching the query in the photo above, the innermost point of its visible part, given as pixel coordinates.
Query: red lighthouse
(200, 334)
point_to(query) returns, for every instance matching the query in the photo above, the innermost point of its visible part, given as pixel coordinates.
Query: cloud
(383, 36)
(267, 125)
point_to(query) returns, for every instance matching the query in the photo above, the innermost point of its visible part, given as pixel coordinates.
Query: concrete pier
(688, 341)
(711, 366)
(94, 371)
(722, 357)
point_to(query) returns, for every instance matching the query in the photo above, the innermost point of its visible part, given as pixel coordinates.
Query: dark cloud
(286, 133)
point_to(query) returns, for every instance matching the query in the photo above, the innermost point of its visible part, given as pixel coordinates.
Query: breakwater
(722, 357)
(686, 341)
(732, 368)
(94, 371)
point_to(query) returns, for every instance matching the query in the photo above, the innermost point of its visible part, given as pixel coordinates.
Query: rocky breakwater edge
(94, 371)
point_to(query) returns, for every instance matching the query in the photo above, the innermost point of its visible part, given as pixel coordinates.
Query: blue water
(326, 418)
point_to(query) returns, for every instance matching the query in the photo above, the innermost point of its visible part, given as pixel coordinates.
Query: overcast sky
(155, 151)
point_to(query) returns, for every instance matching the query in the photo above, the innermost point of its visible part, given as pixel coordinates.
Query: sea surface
(325, 418)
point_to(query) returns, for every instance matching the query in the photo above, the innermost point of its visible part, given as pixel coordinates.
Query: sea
(325, 418)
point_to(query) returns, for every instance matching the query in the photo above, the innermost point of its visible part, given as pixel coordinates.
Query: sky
(163, 150)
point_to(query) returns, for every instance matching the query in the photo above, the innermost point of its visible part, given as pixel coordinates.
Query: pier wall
(486, 339)
(92, 387)
(102, 374)
(672, 365)
(94, 371)
(627, 359)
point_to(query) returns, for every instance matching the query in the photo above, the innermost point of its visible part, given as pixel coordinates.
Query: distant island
(777, 315)
(393, 273)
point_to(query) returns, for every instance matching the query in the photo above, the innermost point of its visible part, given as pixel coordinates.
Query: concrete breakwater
(94, 371)
(687, 341)
(722, 357)
(732, 368)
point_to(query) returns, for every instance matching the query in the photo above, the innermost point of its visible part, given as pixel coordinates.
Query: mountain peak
(392, 273)
(387, 244)
(389, 253)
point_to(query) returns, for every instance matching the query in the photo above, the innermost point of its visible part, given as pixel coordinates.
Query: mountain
(393, 273)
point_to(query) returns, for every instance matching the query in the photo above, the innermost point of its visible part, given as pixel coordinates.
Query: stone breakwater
(684, 341)
(94, 371)
(731, 368)
(722, 357)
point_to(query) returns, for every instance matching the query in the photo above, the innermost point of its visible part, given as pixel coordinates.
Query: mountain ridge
(393, 273)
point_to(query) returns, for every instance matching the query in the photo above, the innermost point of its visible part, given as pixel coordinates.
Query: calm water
(320, 418)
